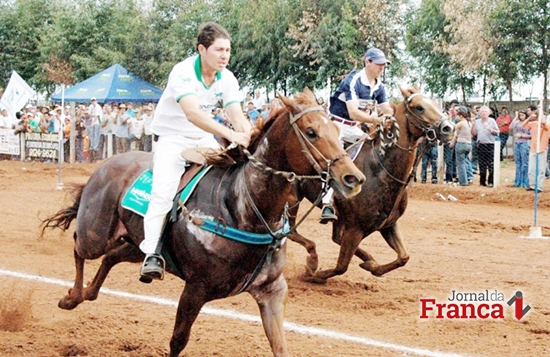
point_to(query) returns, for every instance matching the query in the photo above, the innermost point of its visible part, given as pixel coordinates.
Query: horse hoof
(311, 266)
(67, 303)
(315, 280)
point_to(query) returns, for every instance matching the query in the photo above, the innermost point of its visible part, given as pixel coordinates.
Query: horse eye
(419, 109)
(311, 134)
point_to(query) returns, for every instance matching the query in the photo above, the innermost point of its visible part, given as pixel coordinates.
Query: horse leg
(191, 301)
(392, 235)
(74, 296)
(123, 253)
(272, 300)
(348, 246)
(312, 261)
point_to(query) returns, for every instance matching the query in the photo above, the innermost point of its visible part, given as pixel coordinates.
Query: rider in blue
(353, 103)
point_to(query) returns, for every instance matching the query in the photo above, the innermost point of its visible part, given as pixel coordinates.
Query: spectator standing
(350, 106)
(538, 148)
(130, 110)
(108, 126)
(94, 128)
(486, 130)
(80, 128)
(462, 144)
(252, 112)
(429, 158)
(522, 135)
(122, 130)
(475, 156)
(448, 152)
(503, 121)
(136, 131)
(5, 121)
(147, 116)
(259, 100)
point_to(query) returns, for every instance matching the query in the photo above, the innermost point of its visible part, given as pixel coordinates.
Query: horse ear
(405, 92)
(286, 100)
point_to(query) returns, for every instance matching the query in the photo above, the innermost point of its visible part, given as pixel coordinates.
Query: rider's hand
(240, 138)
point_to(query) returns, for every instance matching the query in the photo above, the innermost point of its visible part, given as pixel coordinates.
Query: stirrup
(328, 214)
(152, 268)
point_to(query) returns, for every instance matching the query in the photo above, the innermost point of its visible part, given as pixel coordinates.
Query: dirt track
(470, 245)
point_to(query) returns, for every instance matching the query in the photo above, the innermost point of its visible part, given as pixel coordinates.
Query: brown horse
(384, 195)
(250, 196)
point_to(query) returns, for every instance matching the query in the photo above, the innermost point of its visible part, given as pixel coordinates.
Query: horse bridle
(428, 130)
(324, 176)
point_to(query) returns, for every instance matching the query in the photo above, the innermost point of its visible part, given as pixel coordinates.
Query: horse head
(312, 146)
(425, 117)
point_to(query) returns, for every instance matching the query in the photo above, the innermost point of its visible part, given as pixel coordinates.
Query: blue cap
(377, 56)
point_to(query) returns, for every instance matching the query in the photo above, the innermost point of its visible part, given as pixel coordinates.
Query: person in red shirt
(503, 122)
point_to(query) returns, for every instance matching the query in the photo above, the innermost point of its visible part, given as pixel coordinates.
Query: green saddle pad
(138, 196)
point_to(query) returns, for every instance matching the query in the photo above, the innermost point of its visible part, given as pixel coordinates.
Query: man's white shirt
(186, 79)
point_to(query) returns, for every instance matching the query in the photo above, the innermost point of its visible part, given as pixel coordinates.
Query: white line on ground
(234, 315)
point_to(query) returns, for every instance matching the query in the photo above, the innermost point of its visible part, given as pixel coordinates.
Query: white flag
(16, 95)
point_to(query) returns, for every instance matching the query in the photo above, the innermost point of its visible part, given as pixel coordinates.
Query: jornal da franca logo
(475, 305)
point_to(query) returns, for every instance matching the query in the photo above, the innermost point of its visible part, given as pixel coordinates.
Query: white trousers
(167, 170)
(348, 134)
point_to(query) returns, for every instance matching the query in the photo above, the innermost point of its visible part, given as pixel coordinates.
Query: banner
(43, 146)
(16, 95)
(9, 142)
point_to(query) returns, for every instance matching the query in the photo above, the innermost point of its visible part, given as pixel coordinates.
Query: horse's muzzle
(446, 130)
(354, 182)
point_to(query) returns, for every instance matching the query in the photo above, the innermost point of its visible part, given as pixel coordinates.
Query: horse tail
(63, 218)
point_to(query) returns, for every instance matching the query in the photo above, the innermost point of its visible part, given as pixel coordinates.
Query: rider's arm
(190, 106)
(357, 114)
(237, 119)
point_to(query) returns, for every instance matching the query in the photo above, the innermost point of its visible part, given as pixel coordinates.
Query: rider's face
(373, 69)
(216, 57)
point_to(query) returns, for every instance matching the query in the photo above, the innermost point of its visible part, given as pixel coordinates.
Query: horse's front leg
(74, 297)
(192, 299)
(271, 299)
(349, 239)
(312, 261)
(393, 237)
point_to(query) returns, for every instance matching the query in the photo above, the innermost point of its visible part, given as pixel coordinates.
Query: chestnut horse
(383, 199)
(251, 196)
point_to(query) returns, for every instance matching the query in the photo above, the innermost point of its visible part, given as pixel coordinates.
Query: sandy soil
(469, 245)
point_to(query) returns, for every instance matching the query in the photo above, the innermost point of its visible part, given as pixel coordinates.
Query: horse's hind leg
(272, 299)
(123, 253)
(312, 261)
(74, 297)
(349, 239)
(191, 301)
(393, 237)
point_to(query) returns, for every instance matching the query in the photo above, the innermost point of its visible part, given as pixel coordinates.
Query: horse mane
(278, 109)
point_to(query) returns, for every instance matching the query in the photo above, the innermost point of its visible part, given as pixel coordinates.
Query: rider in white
(349, 108)
(182, 121)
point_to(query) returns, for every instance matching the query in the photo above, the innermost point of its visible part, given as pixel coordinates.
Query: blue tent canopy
(115, 84)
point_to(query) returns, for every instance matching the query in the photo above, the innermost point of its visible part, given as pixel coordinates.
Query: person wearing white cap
(357, 100)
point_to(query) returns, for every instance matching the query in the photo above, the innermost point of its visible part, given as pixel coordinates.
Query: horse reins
(323, 176)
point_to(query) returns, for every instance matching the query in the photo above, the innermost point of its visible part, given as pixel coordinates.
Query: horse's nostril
(352, 180)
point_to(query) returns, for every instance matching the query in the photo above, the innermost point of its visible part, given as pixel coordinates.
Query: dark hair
(210, 32)
(462, 110)
(533, 107)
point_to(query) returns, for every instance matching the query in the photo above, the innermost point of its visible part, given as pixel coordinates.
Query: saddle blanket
(138, 196)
